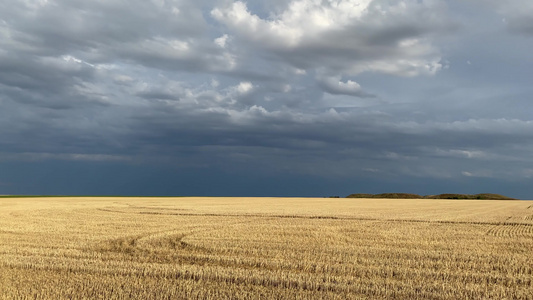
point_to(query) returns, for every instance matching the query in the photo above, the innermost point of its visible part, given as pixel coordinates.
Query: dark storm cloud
(47, 82)
(155, 34)
(339, 143)
(333, 89)
(84, 25)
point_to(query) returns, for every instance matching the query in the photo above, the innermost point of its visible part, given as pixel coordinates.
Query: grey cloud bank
(295, 98)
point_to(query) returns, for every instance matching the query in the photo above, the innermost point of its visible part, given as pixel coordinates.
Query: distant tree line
(484, 196)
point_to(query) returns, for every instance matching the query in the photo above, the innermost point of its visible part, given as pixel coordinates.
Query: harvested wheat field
(265, 248)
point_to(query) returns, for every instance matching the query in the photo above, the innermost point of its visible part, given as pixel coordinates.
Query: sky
(266, 98)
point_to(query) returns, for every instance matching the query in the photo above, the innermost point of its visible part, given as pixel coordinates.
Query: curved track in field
(512, 230)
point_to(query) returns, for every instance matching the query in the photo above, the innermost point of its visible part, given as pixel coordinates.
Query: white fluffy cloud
(345, 37)
(245, 87)
(295, 26)
(334, 85)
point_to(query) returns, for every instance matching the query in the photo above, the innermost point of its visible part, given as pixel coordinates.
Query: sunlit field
(265, 248)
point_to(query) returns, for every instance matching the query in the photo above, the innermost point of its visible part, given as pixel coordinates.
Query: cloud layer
(345, 89)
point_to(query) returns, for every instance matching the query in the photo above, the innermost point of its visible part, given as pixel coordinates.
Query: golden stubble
(253, 248)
